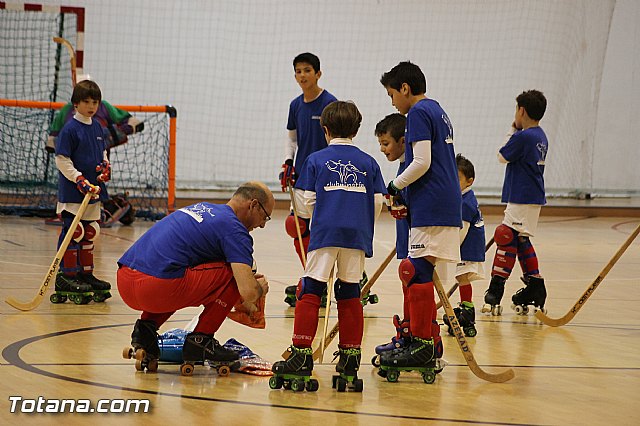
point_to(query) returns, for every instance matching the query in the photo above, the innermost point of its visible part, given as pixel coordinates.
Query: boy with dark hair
(304, 138)
(433, 195)
(472, 246)
(81, 158)
(342, 190)
(523, 190)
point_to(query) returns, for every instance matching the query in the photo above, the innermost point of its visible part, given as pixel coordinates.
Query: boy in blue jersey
(434, 199)
(472, 246)
(304, 138)
(523, 191)
(81, 158)
(199, 255)
(342, 189)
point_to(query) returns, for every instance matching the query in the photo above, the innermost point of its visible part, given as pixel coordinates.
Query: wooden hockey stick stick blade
(53, 269)
(295, 216)
(553, 322)
(334, 331)
(72, 55)
(454, 287)
(462, 341)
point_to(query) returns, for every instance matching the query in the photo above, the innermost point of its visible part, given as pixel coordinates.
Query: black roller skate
(144, 346)
(419, 356)
(367, 298)
(291, 299)
(493, 296)
(70, 287)
(466, 316)
(347, 367)
(200, 348)
(400, 340)
(533, 293)
(99, 287)
(295, 372)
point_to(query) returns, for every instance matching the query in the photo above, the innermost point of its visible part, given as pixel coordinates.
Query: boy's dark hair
(465, 166)
(393, 124)
(405, 72)
(86, 89)
(307, 58)
(341, 118)
(534, 102)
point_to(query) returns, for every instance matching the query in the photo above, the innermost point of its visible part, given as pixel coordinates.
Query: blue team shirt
(345, 180)
(402, 225)
(526, 152)
(197, 234)
(304, 118)
(84, 144)
(434, 198)
(472, 248)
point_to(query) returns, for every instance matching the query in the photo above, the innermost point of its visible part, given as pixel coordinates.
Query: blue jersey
(526, 152)
(345, 180)
(434, 198)
(197, 234)
(402, 225)
(84, 144)
(472, 248)
(304, 118)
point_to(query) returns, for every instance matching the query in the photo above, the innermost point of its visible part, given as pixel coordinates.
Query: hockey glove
(392, 190)
(396, 207)
(85, 186)
(287, 174)
(104, 169)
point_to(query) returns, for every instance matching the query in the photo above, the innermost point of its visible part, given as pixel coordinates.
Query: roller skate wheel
(375, 361)
(275, 382)
(525, 310)
(373, 299)
(471, 332)
(429, 377)
(152, 366)
(392, 376)
(186, 369)
(297, 385)
(496, 311)
(334, 381)
(358, 385)
(139, 365)
(127, 353)
(382, 373)
(312, 385)
(140, 354)
(441, 363)
(341, 384)
(486, 308)
(224, 371)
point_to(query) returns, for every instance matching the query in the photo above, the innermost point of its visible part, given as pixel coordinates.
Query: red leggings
(209, 284)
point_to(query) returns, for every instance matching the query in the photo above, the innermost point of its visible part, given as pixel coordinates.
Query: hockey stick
(326, 316)
(317, 354)
(72, 54)
(295, 216)
(53, 269)
(462, 342)
(454, 287)
(585, 296)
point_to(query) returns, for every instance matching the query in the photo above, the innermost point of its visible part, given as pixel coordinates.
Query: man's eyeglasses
(267, 218)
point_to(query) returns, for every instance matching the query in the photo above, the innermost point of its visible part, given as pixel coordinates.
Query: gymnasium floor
(586, 372)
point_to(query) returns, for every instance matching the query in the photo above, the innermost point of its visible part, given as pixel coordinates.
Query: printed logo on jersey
(449, 138)
(417, 246)
(542, 149)
(347, 177)
(197, 211)
(315, 117)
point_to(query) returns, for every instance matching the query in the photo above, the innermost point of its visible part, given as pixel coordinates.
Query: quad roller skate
(295, 372)
(400, 340)
(466, 316)
(418, 356)
(144, 346)
(100, 288)
(200, 348)
(71, 288)
(347, 369)
(493, 296)
(533, 293)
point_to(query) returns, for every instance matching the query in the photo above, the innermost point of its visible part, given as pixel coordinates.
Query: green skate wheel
(392, 376)
(373, 299)
(312, 385)
(471, 332)
(275, 382)
(358, 385)
(429, 377)
(76, 298)
(297, 385)
(58, 298)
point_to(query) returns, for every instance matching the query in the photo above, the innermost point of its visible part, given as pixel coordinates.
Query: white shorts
(522, 217)
(474, 269)
(441, 242)
(320, 263)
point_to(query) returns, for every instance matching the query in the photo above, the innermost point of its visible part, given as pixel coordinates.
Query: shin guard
(351, 317)
(421, 306)
(527, 257)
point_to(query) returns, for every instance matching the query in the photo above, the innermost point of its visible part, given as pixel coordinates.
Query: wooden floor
(587, 372)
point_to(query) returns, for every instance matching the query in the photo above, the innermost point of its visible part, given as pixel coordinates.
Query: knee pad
(290, 226)
(505, 236)
(344, 290)
(311, 286)
(78, 233)
(418, 270)
(91, 230)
